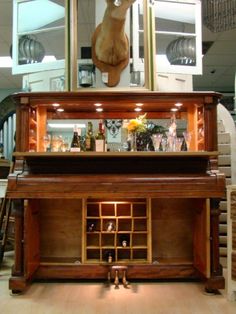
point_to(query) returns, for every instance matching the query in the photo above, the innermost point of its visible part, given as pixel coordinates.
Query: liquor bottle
(75, 143)
(90, 141)
(100, 138)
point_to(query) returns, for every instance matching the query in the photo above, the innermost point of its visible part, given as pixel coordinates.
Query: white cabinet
(38, 35)
(174, 34)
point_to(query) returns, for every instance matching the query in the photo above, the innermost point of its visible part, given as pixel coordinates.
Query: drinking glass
(164, 144)
(187, 137)
(46, 142)
(55, 143)
(178, 143)
(65, 145)
(156, 140)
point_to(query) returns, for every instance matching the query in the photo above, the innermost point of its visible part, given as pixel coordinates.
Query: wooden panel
(202, 237)
(60, 228)
(172, 225)
(31, 237)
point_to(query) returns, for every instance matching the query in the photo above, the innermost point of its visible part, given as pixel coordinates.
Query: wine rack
(200, 128)
(117, 231)
(32, 131)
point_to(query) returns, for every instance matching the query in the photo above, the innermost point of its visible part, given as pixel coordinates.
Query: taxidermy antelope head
(110, 45)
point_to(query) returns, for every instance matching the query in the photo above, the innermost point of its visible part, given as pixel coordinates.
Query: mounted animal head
(110, 45)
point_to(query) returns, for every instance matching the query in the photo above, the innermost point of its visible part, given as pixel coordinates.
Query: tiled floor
(90, 298)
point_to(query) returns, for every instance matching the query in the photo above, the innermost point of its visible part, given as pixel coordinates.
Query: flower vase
(133, 141)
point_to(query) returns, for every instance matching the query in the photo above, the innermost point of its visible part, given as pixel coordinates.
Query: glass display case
(38, 38)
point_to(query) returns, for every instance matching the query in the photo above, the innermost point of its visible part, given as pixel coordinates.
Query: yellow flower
(137, 125)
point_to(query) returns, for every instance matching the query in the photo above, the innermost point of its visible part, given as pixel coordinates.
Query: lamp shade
(182, 51)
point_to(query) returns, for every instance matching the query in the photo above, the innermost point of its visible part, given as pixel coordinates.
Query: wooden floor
(90, 298)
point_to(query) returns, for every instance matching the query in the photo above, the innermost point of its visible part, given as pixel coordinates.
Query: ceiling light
(97, 105)
(174, 109)
(99, 109)
(138, 109)
(56, 105)
(60, 109)
(139, 104)
(178, 104)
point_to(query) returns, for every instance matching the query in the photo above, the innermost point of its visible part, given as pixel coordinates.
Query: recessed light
(138, 109)
(60, 109)
(56, 105)
(99, 109)
(139, 104)
(178, 104)
(174, 109)
(98, 105)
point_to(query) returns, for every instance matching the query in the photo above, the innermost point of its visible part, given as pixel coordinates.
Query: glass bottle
(75, 143)
(90, 141)
(100, 138)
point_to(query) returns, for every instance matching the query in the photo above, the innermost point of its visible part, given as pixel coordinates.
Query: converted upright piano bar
(164, 204)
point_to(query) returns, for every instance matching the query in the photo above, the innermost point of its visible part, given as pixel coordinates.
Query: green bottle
(89, 140)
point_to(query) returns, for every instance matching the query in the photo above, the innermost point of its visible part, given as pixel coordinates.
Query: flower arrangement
(138, 124)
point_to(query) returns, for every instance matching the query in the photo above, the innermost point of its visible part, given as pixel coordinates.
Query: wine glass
(156, 140)
(164, 144)
(187, 137)
(65, 145)
(55, 143)
(178, 143)
(46, 142)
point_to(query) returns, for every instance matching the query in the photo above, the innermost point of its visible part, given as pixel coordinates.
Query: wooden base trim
(133, 272)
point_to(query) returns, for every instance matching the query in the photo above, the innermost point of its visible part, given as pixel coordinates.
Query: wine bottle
(100, 139)
(90, 141)
(75, 143)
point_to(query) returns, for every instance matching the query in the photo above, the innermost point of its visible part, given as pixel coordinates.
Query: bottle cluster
(92, 142)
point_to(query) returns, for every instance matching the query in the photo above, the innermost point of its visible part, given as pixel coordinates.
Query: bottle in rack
(75, 143)
(90, 141)
(100, 138)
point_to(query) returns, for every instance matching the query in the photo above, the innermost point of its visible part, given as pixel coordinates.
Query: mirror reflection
(157, 135)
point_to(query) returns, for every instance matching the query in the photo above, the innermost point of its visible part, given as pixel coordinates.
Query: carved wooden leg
(18, 213)
(217, 280)
(17, 282)
(116, 281)
(124, 281)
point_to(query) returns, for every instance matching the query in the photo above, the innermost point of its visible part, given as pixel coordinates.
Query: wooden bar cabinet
(164, 204)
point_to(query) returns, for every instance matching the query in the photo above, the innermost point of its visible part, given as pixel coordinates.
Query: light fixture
(56, 105)
(139, 104)
(99, 109)
(174, 109)
(60, 109)
(219, 15)
(137, 109)
(97, 105)
(182, 51)
(178, 104)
